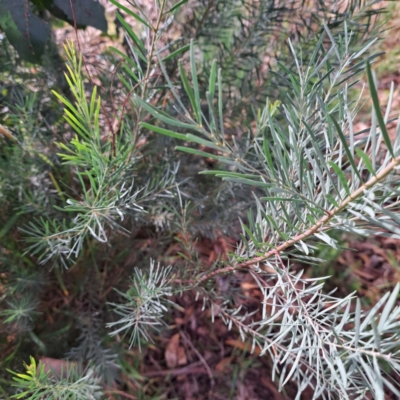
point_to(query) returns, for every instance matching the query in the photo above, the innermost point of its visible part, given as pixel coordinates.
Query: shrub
(282, 151)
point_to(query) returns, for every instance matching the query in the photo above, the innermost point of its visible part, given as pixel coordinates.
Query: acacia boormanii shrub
(271, 129)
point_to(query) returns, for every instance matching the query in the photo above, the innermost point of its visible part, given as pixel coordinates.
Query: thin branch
(121, 393)
(149, 62)
(309, 232)
(201, 358)
(189, 369)
(204, 17)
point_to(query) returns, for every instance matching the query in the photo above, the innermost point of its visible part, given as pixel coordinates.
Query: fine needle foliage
(143, 308)
(105, 171)
(316, 175)
(276, 145)
(73, 384)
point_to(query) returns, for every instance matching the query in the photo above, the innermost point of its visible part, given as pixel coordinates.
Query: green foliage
(108, 166)
(20, 313)
(247, 38)
(73, 384)
(294, 172)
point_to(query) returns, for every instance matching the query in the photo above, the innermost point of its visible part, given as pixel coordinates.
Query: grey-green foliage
(317, 174)
(20, 313)
(144, 304)
(302, 167)
(246, 38)
(91, 350)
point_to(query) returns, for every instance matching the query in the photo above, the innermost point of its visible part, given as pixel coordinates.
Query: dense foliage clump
(231, 122)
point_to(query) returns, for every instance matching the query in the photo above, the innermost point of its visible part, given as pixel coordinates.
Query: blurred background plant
(121, 265)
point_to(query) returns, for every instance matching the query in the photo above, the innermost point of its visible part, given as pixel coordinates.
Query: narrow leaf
(341, 176)
(375, 101)
(131, 13)
(189, 92)
(194, 79)
(366, 160)
(346, 148)
(140, 47)
(213, 75)
(176, 6)
(176, 52)
(163, 131)
(204, 154)
(155, 113)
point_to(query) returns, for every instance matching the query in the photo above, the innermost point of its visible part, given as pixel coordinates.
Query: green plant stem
(149, 65)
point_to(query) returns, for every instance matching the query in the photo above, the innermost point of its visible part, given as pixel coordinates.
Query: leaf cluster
(278, 152)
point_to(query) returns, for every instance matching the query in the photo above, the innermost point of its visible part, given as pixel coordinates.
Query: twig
(4, 131)
(309, 232)
(189, 369)
(121, 393)
(201, 358)
(149, 59)
(204, 17)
